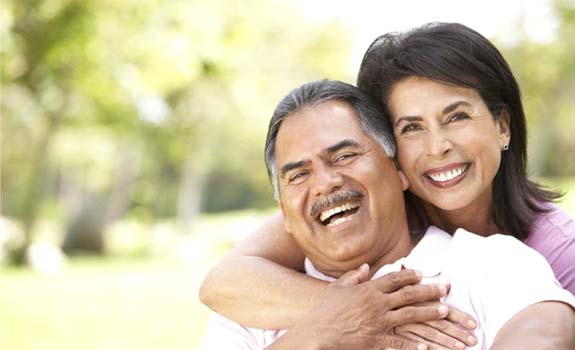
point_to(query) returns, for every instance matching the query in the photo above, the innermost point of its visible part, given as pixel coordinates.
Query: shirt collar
(427, 256)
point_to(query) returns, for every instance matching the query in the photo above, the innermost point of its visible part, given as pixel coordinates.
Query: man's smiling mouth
(336, 208)
(339, 214)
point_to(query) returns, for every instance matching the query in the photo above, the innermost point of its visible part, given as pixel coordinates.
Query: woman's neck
(476, 217)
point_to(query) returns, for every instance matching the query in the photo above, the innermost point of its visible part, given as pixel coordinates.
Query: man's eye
(297, 176)
(458, 116)
(410, 128)
(345, 156)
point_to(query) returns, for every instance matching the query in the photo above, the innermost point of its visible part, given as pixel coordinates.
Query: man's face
(340, 193)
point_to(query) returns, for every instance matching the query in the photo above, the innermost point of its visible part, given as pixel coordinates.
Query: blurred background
(132, 143)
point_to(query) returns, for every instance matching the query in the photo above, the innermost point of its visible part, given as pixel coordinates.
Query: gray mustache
(331, 200)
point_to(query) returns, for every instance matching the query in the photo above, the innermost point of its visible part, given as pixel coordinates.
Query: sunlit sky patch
(506, 21)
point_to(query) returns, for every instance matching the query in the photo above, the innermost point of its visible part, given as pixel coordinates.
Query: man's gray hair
(369, 114)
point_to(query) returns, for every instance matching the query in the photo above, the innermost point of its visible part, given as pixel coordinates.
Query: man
(329, 155)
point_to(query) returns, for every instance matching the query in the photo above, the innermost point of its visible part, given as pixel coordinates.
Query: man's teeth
(333, 211)
(449, 175)
(338, 221)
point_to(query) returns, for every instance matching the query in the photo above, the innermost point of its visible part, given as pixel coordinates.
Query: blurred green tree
(546, 75)
(154, 109)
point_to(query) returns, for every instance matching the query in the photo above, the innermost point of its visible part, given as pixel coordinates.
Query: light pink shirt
(491, 278)
(553, 236)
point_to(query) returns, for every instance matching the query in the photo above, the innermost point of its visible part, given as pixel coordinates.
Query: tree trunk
(189, 193)
(34, 193)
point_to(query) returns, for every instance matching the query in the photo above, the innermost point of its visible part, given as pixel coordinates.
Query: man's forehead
(319, 128)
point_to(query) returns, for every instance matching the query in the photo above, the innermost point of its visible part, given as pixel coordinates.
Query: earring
(506, 147)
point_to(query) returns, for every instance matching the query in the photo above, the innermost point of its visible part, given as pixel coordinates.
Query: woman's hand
(454, 332)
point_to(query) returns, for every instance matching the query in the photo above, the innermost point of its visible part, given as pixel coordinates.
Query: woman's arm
(257, 284)
(546, 325)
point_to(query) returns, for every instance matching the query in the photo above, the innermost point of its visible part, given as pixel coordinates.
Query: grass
(130, 303)
(103, 305)
(118, 303)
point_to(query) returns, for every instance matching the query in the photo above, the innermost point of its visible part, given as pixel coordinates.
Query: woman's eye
(458, 116)
(410, 127)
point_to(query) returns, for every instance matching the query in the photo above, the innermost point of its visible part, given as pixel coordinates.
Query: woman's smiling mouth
(447, 176)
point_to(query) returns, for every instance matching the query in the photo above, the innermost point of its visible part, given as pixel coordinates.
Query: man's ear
(287, 226)
(403, 179)
(504, 123)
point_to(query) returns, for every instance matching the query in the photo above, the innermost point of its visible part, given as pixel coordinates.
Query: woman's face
(449, 145)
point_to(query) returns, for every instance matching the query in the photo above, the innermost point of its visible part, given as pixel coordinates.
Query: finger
(420, 293)
(423, 331)
(395, 280)
(415, 314)
(393, 342)
(461, 318)
(430, 346)
(453, 331)
(354, 277)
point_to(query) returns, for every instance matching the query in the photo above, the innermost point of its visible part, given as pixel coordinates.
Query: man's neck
(400, 248)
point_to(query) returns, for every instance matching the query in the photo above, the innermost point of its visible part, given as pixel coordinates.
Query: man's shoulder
(466, 240)
(470, 251)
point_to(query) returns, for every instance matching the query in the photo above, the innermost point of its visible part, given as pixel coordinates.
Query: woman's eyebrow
(450, 108)
(454, 105)
(408, 118)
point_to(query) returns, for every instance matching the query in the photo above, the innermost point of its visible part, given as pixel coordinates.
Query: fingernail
(443, 310)
(460, 345)
(418, 273)
(471, 324)
(422, 347)
(442, 289)
(471, 339)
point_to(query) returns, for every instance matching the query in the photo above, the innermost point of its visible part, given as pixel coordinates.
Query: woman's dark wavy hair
(455, 54)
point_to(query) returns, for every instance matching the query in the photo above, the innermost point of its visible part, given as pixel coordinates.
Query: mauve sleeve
(553, 236)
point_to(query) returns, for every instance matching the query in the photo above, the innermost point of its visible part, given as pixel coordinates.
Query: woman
(461, 136)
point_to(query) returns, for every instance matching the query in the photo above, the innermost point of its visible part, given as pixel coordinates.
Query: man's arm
(546, 325)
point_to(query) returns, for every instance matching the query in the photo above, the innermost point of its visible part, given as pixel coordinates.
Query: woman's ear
(504, 123)
(403, 179)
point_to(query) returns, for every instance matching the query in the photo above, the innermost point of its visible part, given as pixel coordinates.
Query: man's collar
(427, 256)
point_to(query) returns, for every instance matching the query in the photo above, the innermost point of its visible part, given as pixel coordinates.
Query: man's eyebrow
(342, 144)
(292, 165)
(448, 109)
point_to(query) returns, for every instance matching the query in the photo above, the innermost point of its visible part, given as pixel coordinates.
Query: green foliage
(186, 86)
(546, 75)
(159, 109)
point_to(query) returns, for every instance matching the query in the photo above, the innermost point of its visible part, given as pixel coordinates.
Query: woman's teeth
(448, 175)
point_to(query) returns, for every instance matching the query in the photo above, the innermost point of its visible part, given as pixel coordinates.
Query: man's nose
(326, 180)
(438, 143)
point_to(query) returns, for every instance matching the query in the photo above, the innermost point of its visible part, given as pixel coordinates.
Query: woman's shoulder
(555, 223)
(553, 236)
